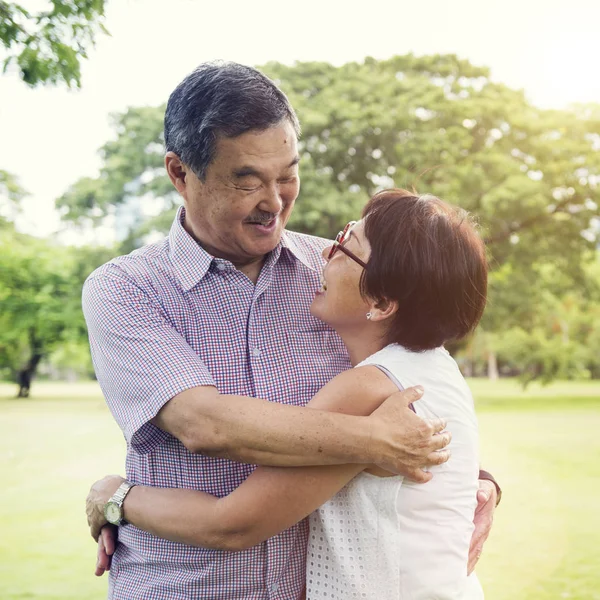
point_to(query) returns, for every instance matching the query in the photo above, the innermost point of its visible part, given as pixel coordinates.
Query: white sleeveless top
(383, 538)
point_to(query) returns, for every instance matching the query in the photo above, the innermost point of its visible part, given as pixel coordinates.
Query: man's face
(240, 210)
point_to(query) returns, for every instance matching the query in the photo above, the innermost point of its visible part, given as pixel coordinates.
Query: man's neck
(251, 270)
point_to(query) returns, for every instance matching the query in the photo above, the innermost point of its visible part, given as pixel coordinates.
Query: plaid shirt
(169, 317)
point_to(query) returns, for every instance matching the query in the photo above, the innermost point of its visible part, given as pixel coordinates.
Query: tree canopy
(47, 47)
(443, 126)
(438, 123)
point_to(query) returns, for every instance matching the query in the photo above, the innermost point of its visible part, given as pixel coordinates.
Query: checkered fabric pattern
(169, 317)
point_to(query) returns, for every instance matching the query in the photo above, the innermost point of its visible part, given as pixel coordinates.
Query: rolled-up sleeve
(140, 360)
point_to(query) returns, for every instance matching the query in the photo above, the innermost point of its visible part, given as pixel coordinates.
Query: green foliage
(10, 188)
(40, 298)
(11, 194)
(530, 176)
(438, 123)
(48, 46)
(133, 167)
(548, 330)
(34, 298)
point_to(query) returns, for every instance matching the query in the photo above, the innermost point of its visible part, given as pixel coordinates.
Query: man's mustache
(261, 217)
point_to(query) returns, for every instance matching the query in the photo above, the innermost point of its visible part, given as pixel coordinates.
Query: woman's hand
(99, 494)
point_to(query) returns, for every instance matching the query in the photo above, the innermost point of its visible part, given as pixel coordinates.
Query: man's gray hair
(221, 99)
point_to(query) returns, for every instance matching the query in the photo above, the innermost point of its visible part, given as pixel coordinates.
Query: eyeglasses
(338, 244)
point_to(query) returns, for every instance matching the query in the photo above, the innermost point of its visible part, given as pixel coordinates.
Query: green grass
(52, 447)
(541, 444)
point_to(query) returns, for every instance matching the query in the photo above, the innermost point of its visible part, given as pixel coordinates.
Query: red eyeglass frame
(338, 244)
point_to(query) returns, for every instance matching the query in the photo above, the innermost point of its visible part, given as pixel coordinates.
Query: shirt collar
(191, 262)
(295, 250)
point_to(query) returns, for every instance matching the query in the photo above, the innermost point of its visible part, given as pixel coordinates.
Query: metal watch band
(119, 496)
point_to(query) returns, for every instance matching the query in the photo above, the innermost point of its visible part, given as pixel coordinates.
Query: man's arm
(271, 499)
(104, 489)
(156, 384)
(261, 432)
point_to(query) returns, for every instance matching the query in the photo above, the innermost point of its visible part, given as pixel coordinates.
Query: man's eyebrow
(245, 171)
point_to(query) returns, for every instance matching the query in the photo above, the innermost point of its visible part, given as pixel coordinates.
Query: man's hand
(99, 494)
(410, 443)
(107, 542)
(484, 516)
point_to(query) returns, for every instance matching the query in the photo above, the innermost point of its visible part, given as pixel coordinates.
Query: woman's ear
(383, 309)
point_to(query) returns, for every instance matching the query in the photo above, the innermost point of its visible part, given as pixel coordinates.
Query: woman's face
(339, 302)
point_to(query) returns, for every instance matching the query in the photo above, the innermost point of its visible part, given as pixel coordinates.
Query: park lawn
(541, 444)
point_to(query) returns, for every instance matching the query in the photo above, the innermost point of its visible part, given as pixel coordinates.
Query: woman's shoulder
(399, 360)
(358, 391)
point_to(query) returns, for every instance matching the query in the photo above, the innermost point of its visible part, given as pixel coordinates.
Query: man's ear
(383, 309)
(177, 172)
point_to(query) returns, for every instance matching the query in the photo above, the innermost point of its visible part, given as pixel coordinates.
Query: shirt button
(221, 266)
(255, 351)
(274, 587)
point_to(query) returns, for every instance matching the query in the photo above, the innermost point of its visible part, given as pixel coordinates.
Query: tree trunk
(467, 367)
(26, 374)
(492, 366)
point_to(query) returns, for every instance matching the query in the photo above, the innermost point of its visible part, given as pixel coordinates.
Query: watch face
(112, 512)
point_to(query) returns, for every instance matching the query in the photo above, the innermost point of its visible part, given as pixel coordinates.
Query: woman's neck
(363, 343)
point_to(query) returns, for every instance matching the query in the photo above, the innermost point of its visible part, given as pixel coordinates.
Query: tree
(132, 172)
(33, 294)
(37, 301)
(559, 339)
(48, 46)
(40, 308)
(11, 194)
(438, 123)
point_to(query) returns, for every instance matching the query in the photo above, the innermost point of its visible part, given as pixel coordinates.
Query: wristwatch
(113, 509)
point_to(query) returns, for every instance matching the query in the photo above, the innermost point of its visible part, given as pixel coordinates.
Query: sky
(49, 137)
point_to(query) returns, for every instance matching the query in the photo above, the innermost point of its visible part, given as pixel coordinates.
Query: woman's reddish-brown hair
(427, 256)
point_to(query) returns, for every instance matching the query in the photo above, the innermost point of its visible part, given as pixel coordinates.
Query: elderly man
(206, 350)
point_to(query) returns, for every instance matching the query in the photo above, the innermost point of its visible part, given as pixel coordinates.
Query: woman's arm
(268, 502)
(271, 499)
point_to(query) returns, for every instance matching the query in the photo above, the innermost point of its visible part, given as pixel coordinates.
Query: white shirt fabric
(384, 538)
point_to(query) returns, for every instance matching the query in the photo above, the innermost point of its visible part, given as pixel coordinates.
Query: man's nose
(271, 201)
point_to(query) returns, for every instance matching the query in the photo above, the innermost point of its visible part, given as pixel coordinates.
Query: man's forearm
(256, 431)
(179, 515)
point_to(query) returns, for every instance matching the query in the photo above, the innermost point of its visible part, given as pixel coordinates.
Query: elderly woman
(408, 277)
